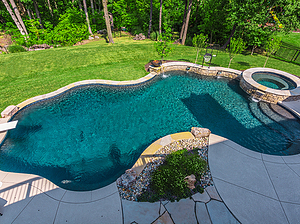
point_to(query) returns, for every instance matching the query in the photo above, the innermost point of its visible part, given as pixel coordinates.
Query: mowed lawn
(28, 74)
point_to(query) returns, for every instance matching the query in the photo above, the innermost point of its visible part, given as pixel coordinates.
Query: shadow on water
(115, 154)
(206, 109)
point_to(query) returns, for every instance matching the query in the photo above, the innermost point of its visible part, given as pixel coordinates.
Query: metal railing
(289, 52)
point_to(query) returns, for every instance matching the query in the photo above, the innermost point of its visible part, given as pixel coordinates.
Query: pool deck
(293, 106)
(256, 188)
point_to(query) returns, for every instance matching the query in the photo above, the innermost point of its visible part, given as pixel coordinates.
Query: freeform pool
(87, 137)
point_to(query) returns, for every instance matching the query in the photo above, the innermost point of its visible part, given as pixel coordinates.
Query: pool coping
(284, 94)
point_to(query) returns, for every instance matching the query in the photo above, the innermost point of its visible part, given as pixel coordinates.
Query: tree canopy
(254, 20)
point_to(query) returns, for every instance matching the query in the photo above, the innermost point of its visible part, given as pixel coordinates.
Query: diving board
(7, 126)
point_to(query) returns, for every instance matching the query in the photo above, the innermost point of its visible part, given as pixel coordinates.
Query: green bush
(154, 35)
(71, 28)
(15, 49)
(167, 181)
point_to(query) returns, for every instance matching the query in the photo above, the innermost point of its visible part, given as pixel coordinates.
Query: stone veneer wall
(212, 71)
(259, 94)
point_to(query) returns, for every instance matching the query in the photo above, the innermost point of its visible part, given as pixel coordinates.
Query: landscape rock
(190, 180)
(139, 37)
(37, 47)
(200, 132)
(101, 31)
(9, 111)
(127, 179)
(91, 38)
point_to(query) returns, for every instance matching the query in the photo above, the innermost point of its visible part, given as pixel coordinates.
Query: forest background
(64, 22)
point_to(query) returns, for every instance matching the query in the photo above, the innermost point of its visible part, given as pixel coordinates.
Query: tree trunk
(87, 17)
(266, 61)
(160, 14)
(230, 62)
(99, 6)
(32, 14)
(55, 4)
(197, 56)
(253, 48)
(13, 17)
(28, 12)
(187, 22)
(183, 21)
(38, 13)
(79, 4)
(49, 6)
(150, 20)
(93, 11)
(18, 15)
(231, 35)
(108, 26)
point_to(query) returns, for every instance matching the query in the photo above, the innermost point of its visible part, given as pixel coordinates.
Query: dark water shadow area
(205, 108)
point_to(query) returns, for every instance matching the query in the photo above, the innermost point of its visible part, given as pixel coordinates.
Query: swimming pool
(87, 137)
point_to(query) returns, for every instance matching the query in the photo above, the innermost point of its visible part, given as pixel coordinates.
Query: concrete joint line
(275, 189)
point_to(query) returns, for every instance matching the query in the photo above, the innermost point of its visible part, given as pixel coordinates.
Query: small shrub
(167, 181)
(154, 35)
(15, 49)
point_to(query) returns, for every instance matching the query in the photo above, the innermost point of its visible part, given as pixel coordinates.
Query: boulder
(139, 37)
(200, 132)
(9, 111)
(190, 180)
(127, 179)
(37, 47)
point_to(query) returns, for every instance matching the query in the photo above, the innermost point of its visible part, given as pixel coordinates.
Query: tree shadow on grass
(184, 60)
(243, 63)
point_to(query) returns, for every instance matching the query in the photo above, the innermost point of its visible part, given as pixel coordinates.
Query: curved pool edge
(154, 71)
(248, 194)
(250, 86)
(151, 150)
(37, 184)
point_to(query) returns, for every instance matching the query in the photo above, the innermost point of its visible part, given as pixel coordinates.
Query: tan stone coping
(146, 156)
(82, 83)
(247, 76)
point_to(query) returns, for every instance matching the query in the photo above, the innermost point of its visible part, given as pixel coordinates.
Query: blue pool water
(86, 138)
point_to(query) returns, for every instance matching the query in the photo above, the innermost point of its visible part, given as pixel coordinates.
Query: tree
(236, 47)
(37, 13)
(107, 22)
(187, 22)
(87, 17)
(18, 15)
(162, 47)
(183, 21)
(160, 15)
(150, 20)
(19, 26)
(272, 45)
(199, 41)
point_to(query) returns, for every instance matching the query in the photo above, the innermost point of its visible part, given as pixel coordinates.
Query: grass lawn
(291, 38)
(28, 74)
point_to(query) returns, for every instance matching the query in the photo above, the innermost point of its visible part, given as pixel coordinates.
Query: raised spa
(87, 137)
(274, 81)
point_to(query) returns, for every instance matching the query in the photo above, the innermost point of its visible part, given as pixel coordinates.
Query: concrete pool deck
(256, 188)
